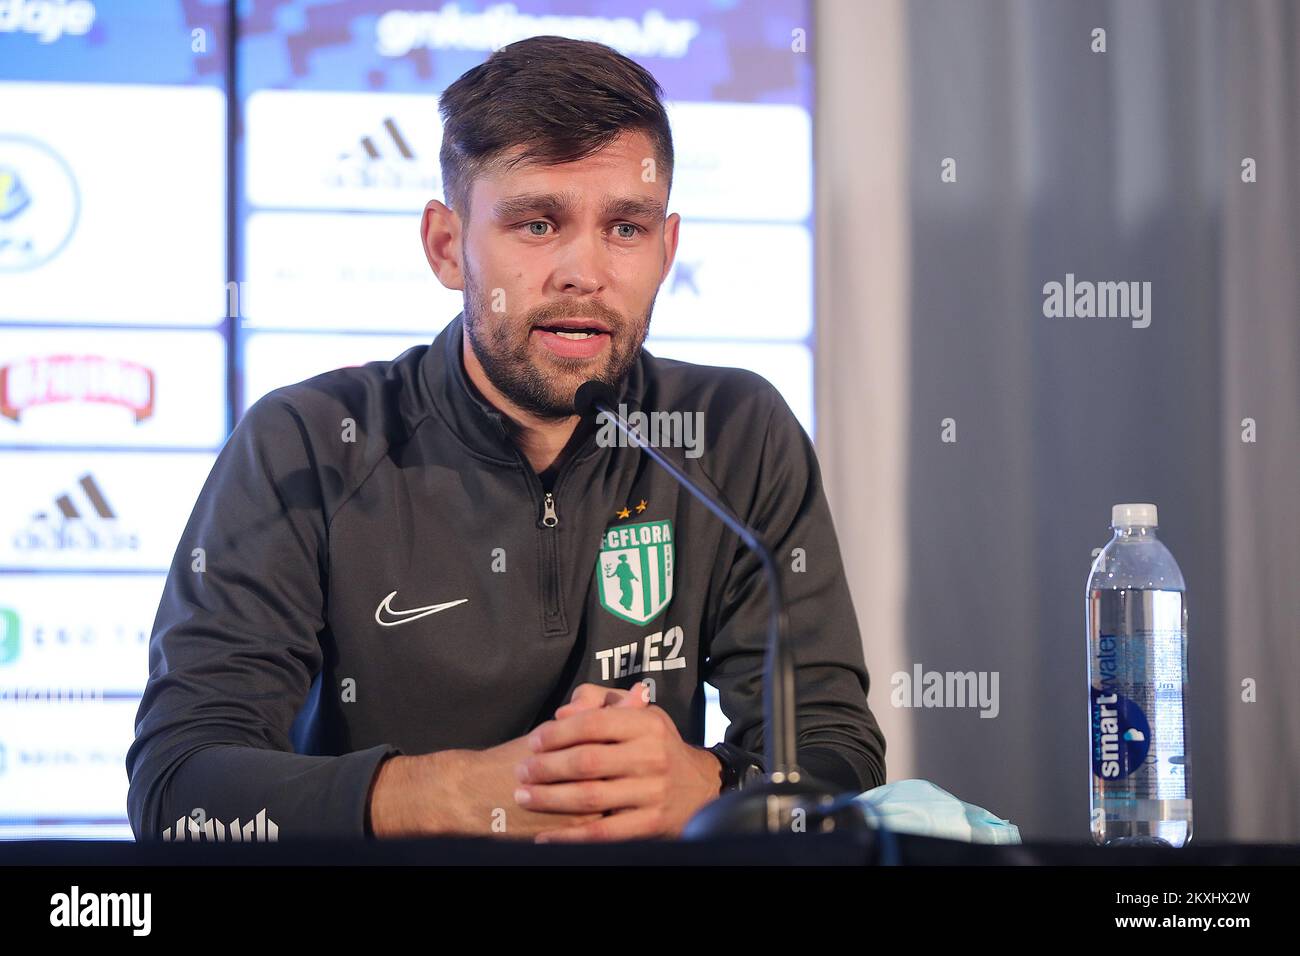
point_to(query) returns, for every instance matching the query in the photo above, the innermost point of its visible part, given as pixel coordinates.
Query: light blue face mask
(918, 806)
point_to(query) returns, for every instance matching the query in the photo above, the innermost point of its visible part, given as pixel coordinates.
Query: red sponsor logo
(50, 379)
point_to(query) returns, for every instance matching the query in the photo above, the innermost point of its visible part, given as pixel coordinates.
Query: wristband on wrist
(740, 768)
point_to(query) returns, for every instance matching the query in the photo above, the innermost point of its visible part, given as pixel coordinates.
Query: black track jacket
(373, 568)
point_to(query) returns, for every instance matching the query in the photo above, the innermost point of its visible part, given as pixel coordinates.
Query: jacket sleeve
(234, 652)
(839, 740)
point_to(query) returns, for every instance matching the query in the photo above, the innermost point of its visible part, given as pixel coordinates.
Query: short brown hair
(559, 99)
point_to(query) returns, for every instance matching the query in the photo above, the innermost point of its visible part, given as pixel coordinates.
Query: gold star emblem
(623, 514)
(641, 506)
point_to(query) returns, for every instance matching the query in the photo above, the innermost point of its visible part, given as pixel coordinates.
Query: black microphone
(786, 794)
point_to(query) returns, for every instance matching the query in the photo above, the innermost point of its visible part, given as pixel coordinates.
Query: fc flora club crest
(635, 570)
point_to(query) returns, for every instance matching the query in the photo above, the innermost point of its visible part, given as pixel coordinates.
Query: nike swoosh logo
(411, 614)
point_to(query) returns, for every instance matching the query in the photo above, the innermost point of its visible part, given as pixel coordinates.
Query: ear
(671, 225)
(440, 233)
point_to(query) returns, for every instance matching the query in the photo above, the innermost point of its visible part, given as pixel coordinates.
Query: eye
(627, 230)
(533, 229)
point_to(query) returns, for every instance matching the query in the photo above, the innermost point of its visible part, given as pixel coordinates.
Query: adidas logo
(81, 520)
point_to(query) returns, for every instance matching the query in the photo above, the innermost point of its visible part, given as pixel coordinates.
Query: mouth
(573, 338)
(574, 328)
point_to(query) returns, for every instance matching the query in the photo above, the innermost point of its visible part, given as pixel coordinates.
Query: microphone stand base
(808, 806)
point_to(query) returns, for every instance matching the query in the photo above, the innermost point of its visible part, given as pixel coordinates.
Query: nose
(580, 266)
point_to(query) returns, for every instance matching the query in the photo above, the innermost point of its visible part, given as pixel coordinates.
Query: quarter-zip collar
(483, 428)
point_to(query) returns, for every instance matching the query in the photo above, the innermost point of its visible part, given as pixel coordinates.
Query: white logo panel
(106, 511)
(715, 289)
(113, 387)
(77, 631)
(748, 161)
(355, 272)
(275, 359)
(143, 241)
(65, 758)
(318, 150)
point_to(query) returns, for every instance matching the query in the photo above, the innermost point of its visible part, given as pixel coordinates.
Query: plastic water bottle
(1137, 677)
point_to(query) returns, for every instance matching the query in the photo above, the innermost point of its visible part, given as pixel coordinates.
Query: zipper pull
(549, 517)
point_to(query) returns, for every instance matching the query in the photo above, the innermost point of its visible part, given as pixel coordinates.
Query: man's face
(561, 266)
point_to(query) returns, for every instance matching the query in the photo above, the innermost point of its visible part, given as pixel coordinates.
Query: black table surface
(843, 849)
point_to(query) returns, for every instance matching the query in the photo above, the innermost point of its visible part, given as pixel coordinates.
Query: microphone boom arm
(779, 742)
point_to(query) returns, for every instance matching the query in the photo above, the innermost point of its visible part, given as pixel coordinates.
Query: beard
(503, 345)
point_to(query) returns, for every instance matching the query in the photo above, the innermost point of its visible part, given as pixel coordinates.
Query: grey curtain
(1117, 166)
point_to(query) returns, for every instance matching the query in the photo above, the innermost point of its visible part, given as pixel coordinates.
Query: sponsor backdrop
(191, 217)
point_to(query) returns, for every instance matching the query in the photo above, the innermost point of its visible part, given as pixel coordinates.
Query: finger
(603, 725)
(644, 823)
(589, 796)
(591, 696)
(583, 762)
(611, 697)
(638, 695)
(585, 696)
(588, 693)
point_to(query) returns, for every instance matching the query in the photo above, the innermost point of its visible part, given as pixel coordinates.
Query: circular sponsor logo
(1121, 735)
(39, 204)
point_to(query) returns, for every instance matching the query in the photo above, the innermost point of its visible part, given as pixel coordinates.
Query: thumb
(638, 695)
(585, 697)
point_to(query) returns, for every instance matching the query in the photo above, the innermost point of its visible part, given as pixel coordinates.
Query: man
(421, 597)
